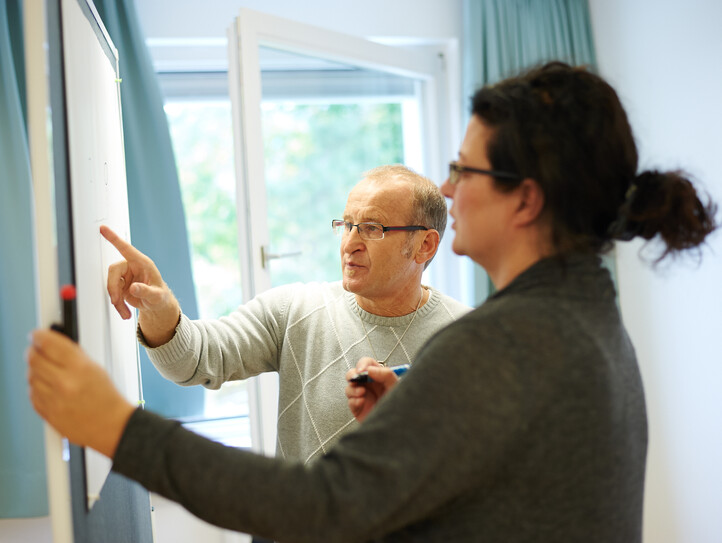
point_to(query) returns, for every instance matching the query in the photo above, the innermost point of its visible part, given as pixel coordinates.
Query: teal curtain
(22, 452)
(502, 37)
(157, 219)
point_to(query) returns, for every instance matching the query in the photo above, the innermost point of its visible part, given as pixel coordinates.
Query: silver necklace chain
(373, 351)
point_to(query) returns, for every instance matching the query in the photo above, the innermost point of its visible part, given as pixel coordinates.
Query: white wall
(664, 57)
(427, 19)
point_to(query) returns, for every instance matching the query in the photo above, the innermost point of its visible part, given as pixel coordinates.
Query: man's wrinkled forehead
(374, 200)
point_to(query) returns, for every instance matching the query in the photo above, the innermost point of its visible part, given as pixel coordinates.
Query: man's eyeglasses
(369, 230)
(456, 169)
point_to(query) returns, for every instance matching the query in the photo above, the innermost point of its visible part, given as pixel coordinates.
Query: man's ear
(531, 202)
(428, 247)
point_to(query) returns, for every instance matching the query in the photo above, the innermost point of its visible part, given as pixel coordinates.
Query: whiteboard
(79, 180)
(98, 196)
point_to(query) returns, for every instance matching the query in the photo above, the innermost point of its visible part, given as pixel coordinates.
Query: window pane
(315, 154)
(324, 124)
(203, 143)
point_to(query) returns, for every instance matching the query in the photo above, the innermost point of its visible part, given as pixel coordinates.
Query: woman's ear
(531, 202)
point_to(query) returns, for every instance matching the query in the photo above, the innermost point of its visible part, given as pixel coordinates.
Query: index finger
(124, 248)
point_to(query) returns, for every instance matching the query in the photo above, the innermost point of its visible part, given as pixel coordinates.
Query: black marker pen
(363, 377)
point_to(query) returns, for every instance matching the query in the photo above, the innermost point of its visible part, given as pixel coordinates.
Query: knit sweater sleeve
(411, 457)
(238, 346)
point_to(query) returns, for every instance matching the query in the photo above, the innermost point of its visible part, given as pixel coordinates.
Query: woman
(522, 421)
(546, 179)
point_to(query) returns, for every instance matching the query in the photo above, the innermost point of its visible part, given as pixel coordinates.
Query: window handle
(267, 256)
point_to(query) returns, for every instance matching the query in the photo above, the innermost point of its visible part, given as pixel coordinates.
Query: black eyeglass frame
(456, 169)
(348, 226)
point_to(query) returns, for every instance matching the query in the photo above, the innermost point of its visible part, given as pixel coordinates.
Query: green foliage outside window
(203, 144)
(315, 154)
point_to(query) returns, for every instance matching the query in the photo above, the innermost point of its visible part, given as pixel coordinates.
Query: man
(310, 334)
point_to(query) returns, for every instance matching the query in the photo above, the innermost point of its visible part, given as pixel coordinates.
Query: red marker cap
(67, 292)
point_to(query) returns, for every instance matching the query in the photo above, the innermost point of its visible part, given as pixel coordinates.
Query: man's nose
(352, 240)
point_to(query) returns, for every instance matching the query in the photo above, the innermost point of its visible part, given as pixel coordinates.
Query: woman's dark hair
(565, 127)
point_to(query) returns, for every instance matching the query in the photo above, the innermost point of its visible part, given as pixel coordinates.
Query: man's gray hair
(428, 206)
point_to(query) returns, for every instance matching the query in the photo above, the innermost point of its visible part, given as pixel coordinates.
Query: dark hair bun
(667, 204)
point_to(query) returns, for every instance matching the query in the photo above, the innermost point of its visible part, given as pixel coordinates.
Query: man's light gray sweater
(311, 334)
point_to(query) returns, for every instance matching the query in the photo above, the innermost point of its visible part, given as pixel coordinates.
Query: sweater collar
(559, 273)
(370, 318)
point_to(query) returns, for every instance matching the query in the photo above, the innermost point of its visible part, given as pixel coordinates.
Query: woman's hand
(74, 394)
(362, 397)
